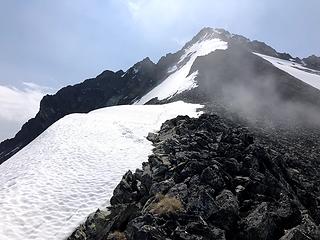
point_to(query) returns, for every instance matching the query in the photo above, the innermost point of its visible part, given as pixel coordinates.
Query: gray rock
(260, 225)
(212, 176)
(227, 215)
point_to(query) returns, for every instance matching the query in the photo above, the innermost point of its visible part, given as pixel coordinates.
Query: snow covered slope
(309, 76)
(71, 169)
(180, 78)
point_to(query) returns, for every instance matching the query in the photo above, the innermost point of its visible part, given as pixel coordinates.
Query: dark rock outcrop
(213, 180)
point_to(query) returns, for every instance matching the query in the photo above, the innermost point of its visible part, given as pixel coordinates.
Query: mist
(18, 106)
(257, 91)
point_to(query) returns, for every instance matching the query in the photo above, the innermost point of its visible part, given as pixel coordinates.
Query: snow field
(309, 76)
(51, 186)
(180, 78)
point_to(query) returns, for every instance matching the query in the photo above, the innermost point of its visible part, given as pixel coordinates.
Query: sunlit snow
(180, 78)
(309, 76)
(71, 169)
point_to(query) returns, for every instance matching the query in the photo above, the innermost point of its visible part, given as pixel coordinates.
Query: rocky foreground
(210, 179)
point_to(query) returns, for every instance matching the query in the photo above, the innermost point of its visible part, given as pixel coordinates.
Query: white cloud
(134, 7)
(18, 105)
(152, 14)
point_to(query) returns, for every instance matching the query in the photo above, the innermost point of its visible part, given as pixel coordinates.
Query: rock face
(211, 179)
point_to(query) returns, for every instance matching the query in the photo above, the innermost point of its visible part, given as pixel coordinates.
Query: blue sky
(54, 43)
(59, 42)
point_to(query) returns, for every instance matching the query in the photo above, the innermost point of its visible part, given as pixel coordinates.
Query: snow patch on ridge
(50, 186)
(180, 79)
(307, 75)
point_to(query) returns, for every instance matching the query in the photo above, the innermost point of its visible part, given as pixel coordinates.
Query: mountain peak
(209, 33)
(146, 65)
(145, 62)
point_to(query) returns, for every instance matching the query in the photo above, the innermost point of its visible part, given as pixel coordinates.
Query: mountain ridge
(117, 88)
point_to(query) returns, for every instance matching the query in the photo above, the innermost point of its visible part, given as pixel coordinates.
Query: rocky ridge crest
(211, 179)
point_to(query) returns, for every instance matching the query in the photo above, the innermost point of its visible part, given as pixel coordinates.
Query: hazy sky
(52, 43)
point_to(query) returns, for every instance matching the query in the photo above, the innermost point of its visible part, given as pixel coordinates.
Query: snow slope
(71, 169)
(180, 78)
(309, 76)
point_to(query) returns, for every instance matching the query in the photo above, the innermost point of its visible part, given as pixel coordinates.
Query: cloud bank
(18, 105)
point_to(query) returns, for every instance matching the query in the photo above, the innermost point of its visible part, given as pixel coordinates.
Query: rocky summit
(209, 178)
